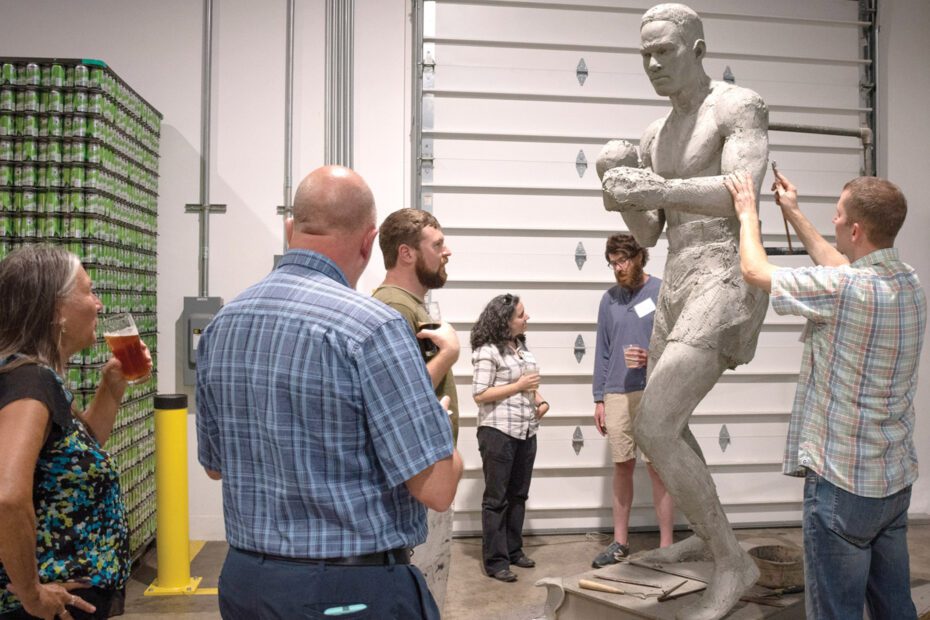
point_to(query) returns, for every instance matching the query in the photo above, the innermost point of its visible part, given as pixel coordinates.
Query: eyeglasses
(620, 262)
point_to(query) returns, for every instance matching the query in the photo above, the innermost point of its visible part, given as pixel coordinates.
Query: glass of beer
(427, 347)
(122, 337)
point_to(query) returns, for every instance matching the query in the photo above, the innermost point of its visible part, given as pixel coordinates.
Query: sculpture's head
(672, 46)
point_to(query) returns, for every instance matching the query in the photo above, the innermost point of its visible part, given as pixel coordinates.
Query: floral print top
(81, 531)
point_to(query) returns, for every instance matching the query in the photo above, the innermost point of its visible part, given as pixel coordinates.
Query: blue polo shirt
(314, 404)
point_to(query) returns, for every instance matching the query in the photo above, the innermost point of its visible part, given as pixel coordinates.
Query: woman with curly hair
(505, 387)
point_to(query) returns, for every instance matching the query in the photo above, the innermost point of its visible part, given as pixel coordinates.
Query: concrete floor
(471, 594)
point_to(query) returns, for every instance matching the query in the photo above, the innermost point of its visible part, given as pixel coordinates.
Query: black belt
(381, 558)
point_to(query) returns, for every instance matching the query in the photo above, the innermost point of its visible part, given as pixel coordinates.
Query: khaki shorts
(619, 411)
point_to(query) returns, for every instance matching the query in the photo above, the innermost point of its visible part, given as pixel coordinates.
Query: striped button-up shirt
(853, 416)
(516, 414)
(314, 404)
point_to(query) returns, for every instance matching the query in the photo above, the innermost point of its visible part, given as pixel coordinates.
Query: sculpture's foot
(731, 578)
(690, 549)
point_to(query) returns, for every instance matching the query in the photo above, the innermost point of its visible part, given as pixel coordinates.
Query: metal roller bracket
(579, 348)
(580, 256)
(581, 72)
(577, 440)
(724, 438)
(581, 163)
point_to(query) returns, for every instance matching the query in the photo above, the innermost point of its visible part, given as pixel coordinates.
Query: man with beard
(624, 326)
(415, 257)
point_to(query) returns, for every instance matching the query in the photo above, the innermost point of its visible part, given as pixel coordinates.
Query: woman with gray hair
(64, 543)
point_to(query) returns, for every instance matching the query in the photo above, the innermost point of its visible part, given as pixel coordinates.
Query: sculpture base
(649, 593)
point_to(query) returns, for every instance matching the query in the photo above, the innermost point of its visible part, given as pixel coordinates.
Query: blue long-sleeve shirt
(624, 317)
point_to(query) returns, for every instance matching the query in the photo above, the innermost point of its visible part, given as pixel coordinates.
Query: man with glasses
(624, 326)
(415, 257)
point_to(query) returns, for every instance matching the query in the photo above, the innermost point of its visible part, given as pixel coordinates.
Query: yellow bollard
(173, 536)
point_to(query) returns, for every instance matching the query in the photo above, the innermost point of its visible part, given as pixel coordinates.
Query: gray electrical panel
(197, 314)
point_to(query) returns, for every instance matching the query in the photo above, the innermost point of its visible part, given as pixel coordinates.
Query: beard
(430, 279)
(632, 278)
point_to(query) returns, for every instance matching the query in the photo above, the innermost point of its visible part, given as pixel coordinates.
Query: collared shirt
(516, 414)
(624, 317)
(314, 404)
(853, 416)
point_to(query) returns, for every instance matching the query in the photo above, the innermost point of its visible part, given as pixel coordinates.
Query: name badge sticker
(645, 308)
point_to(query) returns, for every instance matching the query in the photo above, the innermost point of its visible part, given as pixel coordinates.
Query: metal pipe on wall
(864, 134)
(340, 25)
(205, 119)
(416, 120)
(288, 122)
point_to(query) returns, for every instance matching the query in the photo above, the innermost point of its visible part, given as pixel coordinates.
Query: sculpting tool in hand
(787, 233)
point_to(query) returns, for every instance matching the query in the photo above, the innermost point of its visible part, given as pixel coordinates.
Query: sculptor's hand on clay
(786, 194)
(743, 191)
(634, 189)
(600, 417)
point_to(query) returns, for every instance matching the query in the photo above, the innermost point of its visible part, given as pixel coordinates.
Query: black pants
(98, 597)
(508, 470)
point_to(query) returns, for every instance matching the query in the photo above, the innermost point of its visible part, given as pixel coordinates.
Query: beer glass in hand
(427, 347)
(122, 337)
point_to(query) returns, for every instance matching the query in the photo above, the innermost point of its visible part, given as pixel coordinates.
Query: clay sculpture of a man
(708, 318)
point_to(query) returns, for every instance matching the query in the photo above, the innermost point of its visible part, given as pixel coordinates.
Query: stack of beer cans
(79, 167)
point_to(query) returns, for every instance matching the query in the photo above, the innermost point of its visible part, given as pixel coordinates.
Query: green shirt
(413, 311)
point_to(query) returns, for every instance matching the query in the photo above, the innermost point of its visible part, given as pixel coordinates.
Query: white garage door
(518, 98)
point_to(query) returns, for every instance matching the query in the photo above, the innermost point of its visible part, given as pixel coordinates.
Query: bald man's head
(333, 200)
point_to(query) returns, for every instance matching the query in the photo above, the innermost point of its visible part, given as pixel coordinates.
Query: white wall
(904, 154)
(156, 48)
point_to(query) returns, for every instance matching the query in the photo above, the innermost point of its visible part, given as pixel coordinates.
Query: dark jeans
(508, 470)
(98, 597)
(258, 588)
(855, 553)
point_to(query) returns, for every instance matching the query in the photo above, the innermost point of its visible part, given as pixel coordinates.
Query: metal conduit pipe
(288, 122)
(205, 105)
(340, 24)
(864, 134)
(416, 112)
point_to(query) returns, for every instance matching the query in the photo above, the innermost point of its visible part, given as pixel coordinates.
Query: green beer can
(7, 99)
(78, 151)
(29, 201)
(93, 152)
(77, 176)
(30, 125)
(81, 76)
(29, 177)
(52, 201)
(27, 225)
(78, 128)
(53, 174)
(43, 150)
(54, 125)
(27, 100)
(91, 177)
(55, 102)
(7, 126)
(79, 102)
(6, 175)
(6, 149)
(30, 150)
(32, 75)
(42, 176)
(56, 76)
(54, 151)
(7, 74)
(66, 175)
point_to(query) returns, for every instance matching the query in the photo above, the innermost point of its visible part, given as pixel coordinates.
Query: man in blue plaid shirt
(852, 423)
(315, 410)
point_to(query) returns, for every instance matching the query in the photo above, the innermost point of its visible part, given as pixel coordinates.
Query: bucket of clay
(779, 566)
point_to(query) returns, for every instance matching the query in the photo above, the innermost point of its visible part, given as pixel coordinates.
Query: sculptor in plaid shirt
(852, 424)
(315, 410)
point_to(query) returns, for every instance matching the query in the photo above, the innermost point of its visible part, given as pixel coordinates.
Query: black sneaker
(611, 555)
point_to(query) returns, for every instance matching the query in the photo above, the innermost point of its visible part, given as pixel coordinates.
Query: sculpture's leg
(680, 379)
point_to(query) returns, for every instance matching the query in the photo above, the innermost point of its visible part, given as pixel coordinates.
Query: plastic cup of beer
(633, 355)
(122, 337)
